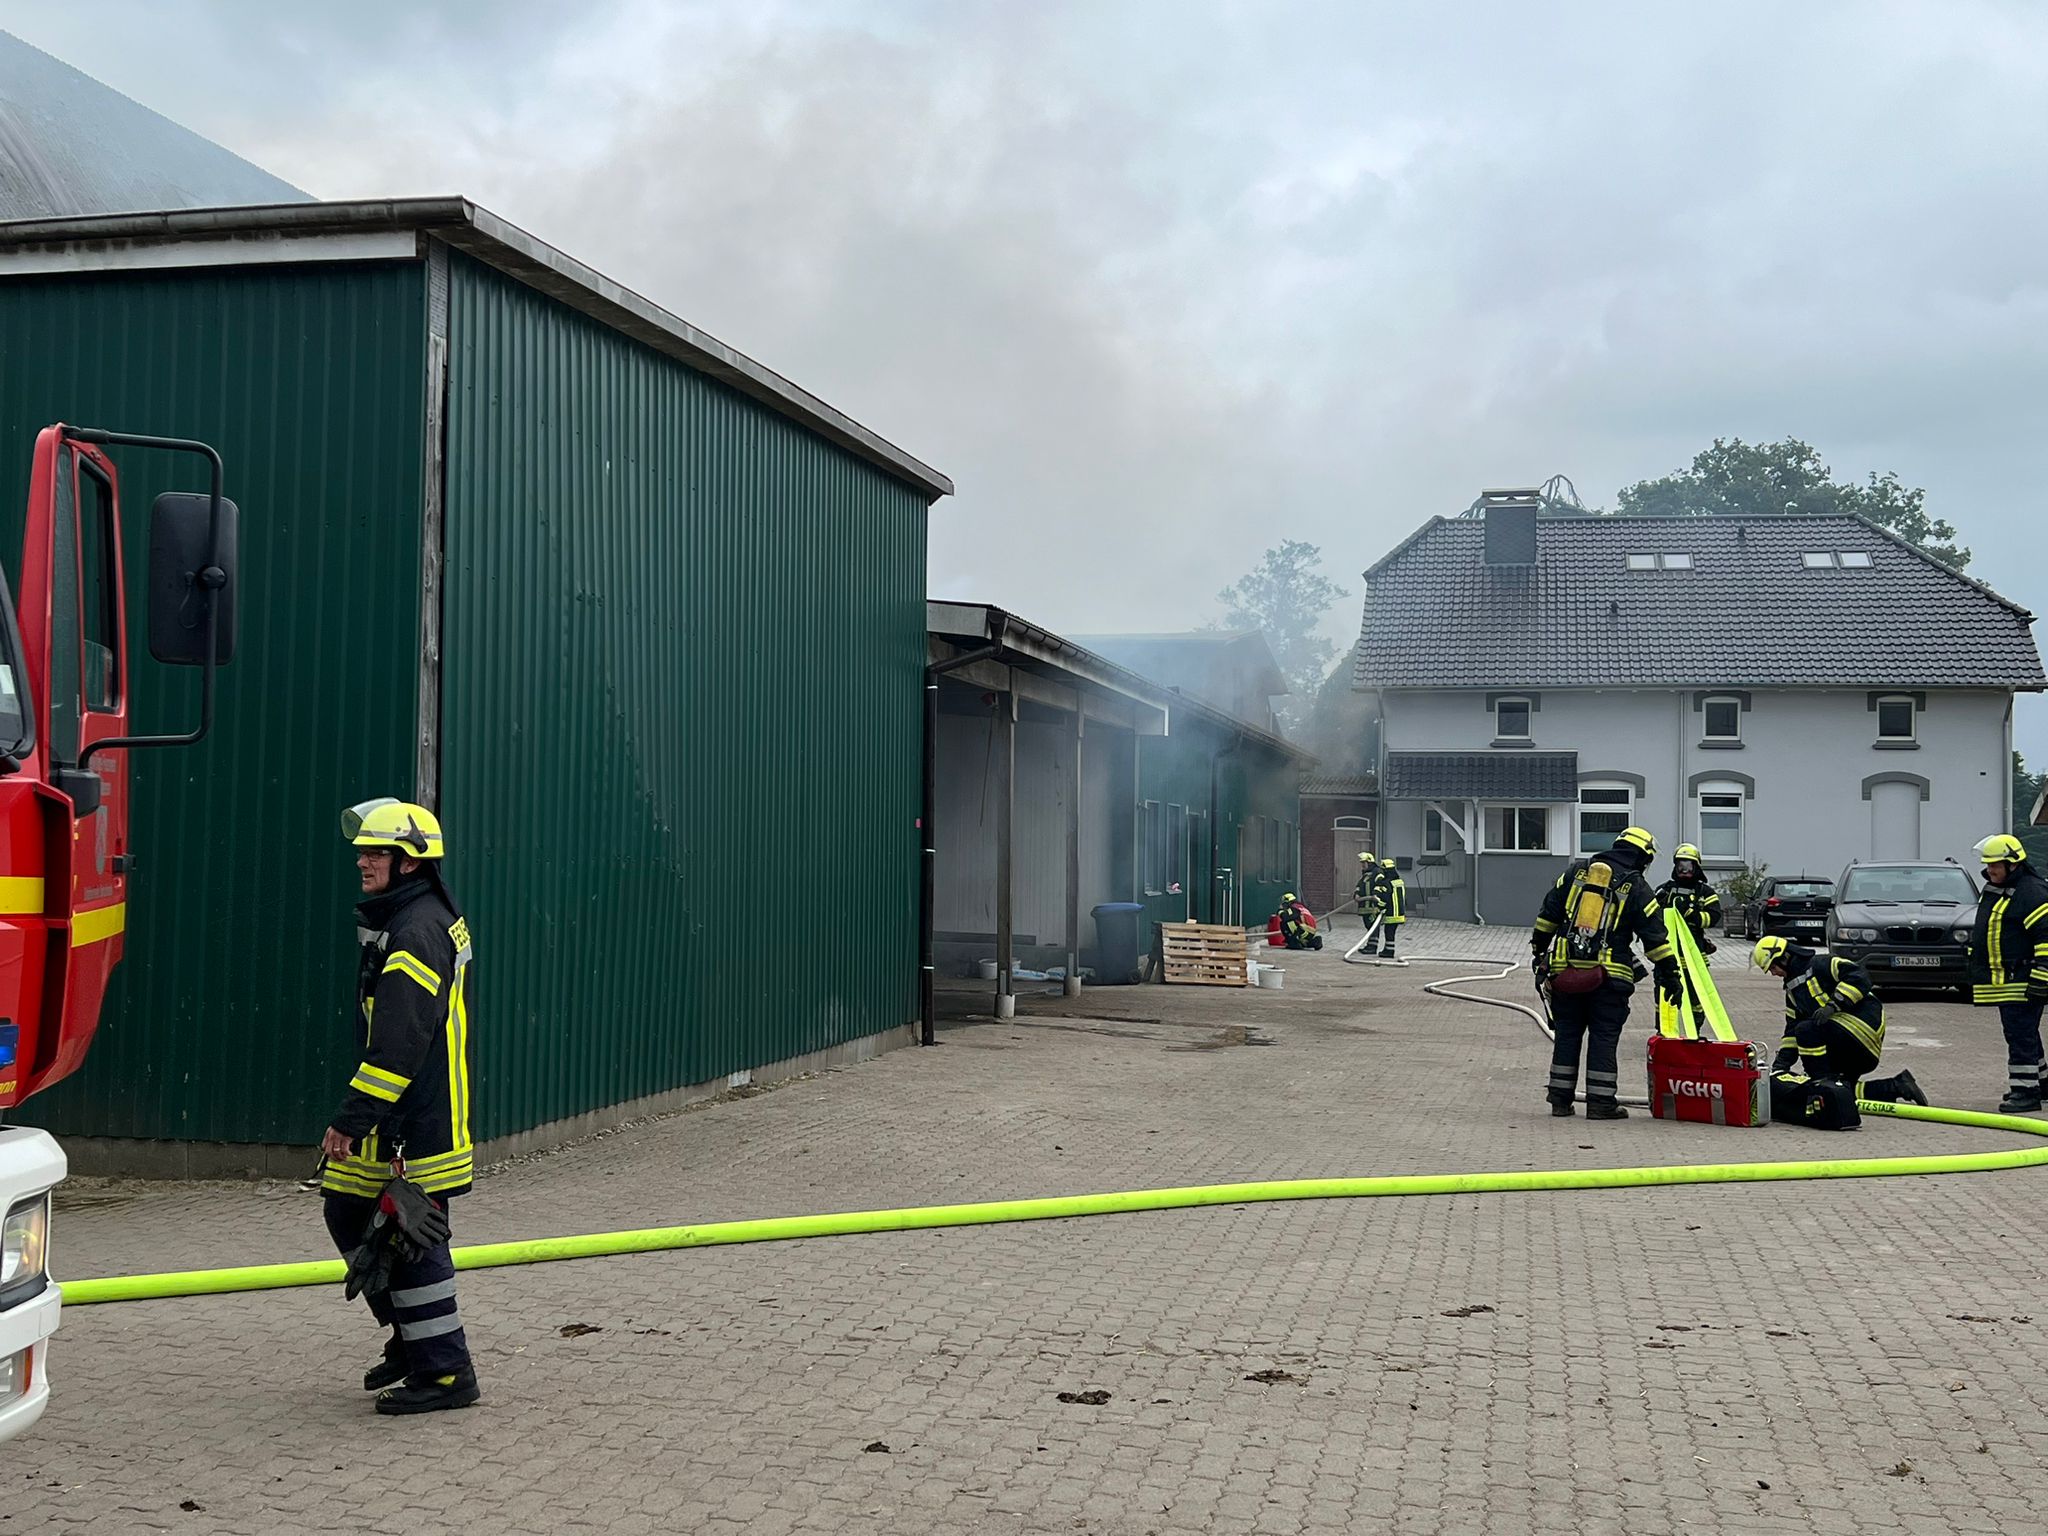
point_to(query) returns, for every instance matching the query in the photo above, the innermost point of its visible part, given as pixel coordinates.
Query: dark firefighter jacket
(411, 1086)
(1695, 901)
(1632, 912)
(1842, 985)
(2009, 946)
(1366, 892)
(1390, 891)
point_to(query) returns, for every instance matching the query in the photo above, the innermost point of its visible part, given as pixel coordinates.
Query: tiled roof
(1482, 775)
(1747, 612)
(1354, 784)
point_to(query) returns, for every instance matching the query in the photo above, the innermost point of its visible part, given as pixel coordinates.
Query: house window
(1517, 829)
(1605, 811)
(1854, 559)
(1724, 719)
(1677, 560)
(1151, 848)
(1721, 821)
(1176, 847)
(1642, 562)
(1432, 830)
(1511, 719)
(1895, 719)
(1818, 560)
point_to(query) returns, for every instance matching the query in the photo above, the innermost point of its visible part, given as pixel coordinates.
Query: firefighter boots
(1605, 1109)
(429, 1394)
(389, 1371)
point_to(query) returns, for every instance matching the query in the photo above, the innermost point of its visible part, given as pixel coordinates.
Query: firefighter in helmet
(1834, 1031)
(1391, 892)
(1297, 923)
(2009, 963)
(407, 1106)
(1687, 893)
(1587, 970)
(1365, 895)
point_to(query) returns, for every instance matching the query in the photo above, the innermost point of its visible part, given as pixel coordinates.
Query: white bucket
(1272, 976)
(988, 970)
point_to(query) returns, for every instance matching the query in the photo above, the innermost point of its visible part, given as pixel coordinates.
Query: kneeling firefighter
(1587, 970)
(1834, 1031)
(399, 1147)
(1391, 892)
(2009, 963)
(1297, 923)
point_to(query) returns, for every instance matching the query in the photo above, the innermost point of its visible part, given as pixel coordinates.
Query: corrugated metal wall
(684, 643)
(227, 1017)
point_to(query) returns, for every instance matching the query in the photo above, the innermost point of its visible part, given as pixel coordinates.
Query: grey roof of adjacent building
(400, 229)
(1346, 785)
(1523, 776)
(70, 145)
(1747, 613)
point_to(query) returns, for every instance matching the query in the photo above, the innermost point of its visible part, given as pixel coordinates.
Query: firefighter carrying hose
(1365, 895)
(1687, 893)
(1588, 972)
(1390, 891)
(1834, 1031)
(408, 1104)
(2009, 963)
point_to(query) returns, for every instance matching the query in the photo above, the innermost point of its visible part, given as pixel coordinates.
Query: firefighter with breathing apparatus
(1687, 893)
(1834, 1031)
(399, 1147)
(1390, 891)
(2009, 963)
(1587, 971)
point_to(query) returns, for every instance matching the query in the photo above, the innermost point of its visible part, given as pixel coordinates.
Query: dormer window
(1511, 719)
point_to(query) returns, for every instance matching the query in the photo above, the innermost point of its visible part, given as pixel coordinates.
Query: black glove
(1707, 946)
(1670, 982)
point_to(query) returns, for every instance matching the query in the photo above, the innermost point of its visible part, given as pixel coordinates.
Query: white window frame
(1528, 731)
(1707, 714)
(1723, 789)
(1627, 808)
(1486, 815)
(1912, 716)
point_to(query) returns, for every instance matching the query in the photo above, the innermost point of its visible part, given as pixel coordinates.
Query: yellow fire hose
(267, 1277)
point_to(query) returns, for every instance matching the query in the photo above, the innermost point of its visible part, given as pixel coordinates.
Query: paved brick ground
(1860, 1357)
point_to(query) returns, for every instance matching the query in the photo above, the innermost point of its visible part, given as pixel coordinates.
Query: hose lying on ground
(264, 1277)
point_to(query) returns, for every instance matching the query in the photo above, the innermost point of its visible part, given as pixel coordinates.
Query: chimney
(1510, 526)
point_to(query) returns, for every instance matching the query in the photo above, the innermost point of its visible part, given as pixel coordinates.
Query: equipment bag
(1821, 1104)
(1716, 1082)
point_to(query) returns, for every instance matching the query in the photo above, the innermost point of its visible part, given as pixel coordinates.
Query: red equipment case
(1718, 1082)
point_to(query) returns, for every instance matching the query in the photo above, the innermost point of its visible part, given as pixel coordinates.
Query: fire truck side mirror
(187, 559)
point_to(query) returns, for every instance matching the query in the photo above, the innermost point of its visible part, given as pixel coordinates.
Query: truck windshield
(17, 733)
(1936, 883)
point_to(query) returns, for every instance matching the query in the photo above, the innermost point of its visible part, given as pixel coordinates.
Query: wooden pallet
(1204, 954)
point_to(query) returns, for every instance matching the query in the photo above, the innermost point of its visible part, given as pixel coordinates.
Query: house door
(1351, 836)
(1894, 821)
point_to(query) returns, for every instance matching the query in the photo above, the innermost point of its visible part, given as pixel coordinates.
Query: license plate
(1806, 922)
(1916, 959)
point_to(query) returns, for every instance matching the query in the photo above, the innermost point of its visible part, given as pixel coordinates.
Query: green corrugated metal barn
(644, 620)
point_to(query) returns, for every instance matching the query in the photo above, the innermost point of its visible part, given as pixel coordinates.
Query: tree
(2025, 786)
(1759, 479)
(1285, 598)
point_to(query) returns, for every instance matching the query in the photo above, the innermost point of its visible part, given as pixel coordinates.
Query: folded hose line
(264, 1277)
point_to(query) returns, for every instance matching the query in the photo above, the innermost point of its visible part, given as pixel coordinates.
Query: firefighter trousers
(1592, 1021)
(420, 1306)
(2023, 1072)
(1827, 1049)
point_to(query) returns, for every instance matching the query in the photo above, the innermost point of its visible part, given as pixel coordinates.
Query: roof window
(1817, 560)
(1677, 560)
(1642, 562)
(1670, 560)
(1853, 559)
(1829, 559)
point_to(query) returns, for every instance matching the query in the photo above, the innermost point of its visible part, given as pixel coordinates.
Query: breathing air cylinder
(1589, 912)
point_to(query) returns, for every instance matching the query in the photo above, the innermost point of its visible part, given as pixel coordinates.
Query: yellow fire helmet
(2002, 848)
(1770, 949)
(1285, 897)
(1637, 838)
(1365, 858)
(410, 829)
(1387, 863)
(1687, 851)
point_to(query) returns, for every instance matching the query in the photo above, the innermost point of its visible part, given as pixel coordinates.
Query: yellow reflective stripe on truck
(21, 895)
(97, 923)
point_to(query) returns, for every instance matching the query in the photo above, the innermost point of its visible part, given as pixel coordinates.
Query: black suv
(1794, 905)
(1906, 924)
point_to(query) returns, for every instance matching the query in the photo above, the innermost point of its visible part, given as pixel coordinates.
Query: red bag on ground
(1717, 1082)
(1274, 937)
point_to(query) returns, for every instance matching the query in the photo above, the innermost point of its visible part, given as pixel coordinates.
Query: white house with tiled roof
(1794, 691)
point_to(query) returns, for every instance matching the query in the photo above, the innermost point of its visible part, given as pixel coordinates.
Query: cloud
(1161, 284)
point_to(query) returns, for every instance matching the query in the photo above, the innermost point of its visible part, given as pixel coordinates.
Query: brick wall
(1323, 885)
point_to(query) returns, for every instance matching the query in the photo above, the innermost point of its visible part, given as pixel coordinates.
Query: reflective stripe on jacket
(1633, 912)
(2009, 945)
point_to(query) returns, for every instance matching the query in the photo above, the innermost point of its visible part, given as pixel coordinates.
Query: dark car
(1794, 905)
(1906, 924)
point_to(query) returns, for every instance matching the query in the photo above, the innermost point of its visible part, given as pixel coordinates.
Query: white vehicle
(31, 1165)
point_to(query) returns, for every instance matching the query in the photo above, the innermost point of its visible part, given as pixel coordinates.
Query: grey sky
(1161, 283)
